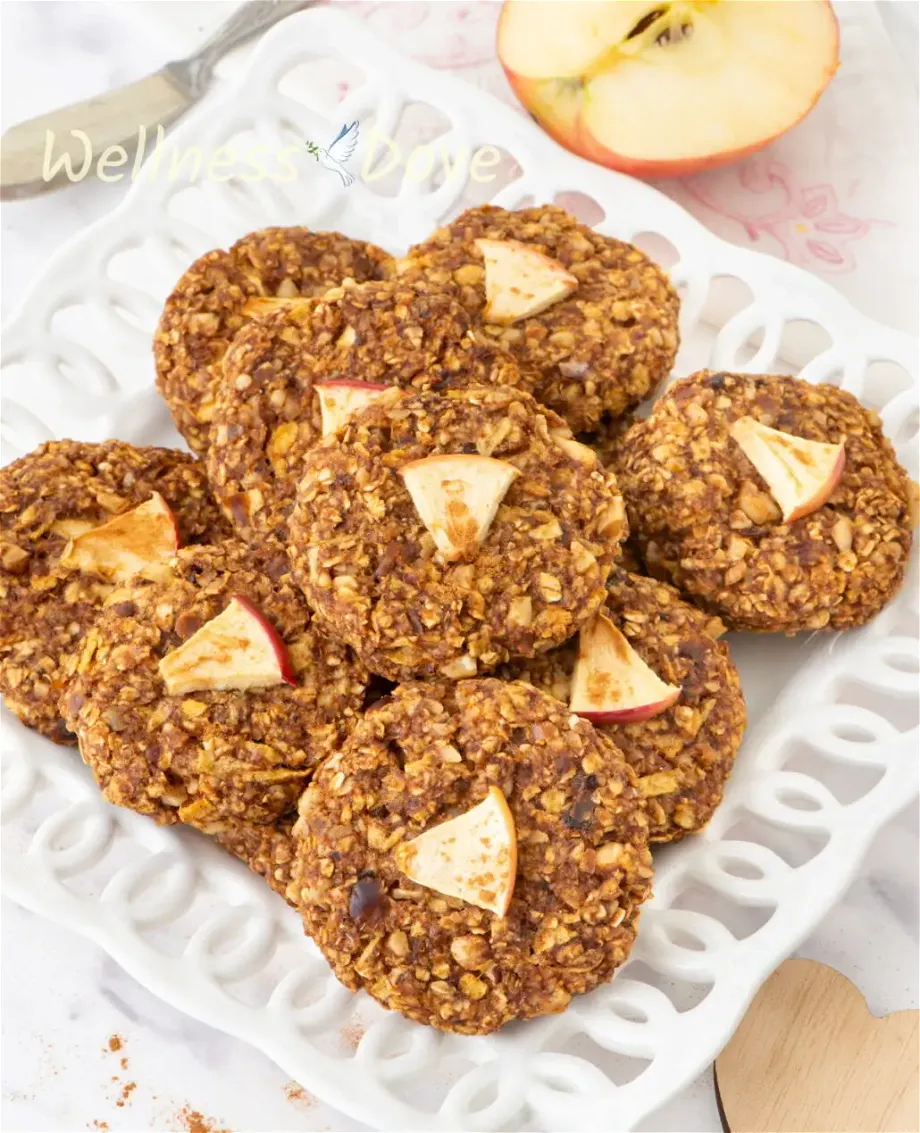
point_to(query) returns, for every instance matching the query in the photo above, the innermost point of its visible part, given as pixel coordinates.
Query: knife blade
(63, 147)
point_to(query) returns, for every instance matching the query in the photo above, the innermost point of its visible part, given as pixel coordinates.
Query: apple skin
(821, 497)
(632, 715)
(286, 669)
(571, 133)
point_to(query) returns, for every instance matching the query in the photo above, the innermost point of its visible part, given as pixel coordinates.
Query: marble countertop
(65, 1003)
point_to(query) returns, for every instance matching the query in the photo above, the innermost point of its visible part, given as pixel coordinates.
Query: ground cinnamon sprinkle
(116, 1042)
(353, 1033)
(124, 1064)
(99, 1125)
(298, 1096)
(194, 1122)
(126, 1092)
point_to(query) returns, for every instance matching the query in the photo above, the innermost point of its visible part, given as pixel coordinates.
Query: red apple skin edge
(284, 658)
(583, 145)
(632, 715)
(824, 494)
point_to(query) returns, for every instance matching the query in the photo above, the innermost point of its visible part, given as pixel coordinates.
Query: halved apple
(521, 281)
(800, 474)
(611, 684)
(339, 398)
(667, 89)
(457, 497)
(472, 857)
(139, 541)
(239, 649)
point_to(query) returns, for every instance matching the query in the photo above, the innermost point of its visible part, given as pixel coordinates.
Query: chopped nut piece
(660, 783)
(757, 505)
(842, 534)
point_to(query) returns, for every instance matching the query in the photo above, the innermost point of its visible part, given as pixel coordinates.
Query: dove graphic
(341, 149)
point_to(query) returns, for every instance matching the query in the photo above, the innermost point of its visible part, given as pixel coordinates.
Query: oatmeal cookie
(704, 518)
(268, 414)
(219, 755)
(373, 570)
(48, 496)
(592, 355)
(684, 755)
(209, 305)
(267, 848)
(424, 755)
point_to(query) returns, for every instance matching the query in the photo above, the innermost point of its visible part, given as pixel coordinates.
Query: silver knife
(31, 153)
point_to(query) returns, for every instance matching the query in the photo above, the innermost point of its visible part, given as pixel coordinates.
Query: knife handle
(29, 164)
(32, 154)
(251, 18)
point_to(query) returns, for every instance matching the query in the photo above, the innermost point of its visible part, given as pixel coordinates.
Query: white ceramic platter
(830, 755)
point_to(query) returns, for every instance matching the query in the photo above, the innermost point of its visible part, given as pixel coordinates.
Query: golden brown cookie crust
(267, 415)
(368, 564)
(591, 356)
(583, 863)
(703, 517)
(268, 849)
(683, 756)
(45, 609)
(206, 308)
(210, 756)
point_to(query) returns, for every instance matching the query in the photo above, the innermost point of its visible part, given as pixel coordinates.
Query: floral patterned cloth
(837, 195)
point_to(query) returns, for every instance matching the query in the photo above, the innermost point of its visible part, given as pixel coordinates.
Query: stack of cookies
(428, 631)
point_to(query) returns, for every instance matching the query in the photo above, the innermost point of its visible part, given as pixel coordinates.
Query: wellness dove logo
(341, 149)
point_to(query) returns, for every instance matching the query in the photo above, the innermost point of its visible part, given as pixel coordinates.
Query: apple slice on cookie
(339, 398)
(139, 541)
(800, 474)
(521, 281)
(239, 649)
(611, 684)
(472, 857)
(457, 497)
